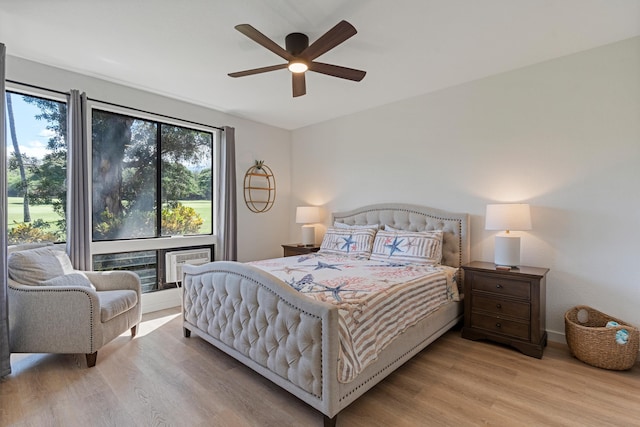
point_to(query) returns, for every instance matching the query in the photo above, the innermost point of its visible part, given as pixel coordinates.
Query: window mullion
(158, 179)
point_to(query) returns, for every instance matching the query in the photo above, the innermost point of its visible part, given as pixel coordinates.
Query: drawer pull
(498, 286)
(498, 305)
(498, 325)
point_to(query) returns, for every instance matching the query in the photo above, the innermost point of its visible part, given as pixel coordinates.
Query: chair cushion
(113, 303)
(32, 266)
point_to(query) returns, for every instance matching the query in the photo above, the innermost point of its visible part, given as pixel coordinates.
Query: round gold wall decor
(259, 187)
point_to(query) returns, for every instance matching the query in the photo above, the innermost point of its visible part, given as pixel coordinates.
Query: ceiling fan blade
(337, 71)
(263, 40)
(332, 38)
(299, 84)
(258, 70)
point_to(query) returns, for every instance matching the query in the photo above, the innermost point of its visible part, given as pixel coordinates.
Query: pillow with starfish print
(418, 247)
(347, 241)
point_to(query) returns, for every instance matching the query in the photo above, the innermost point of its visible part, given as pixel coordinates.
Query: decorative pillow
(355, 227)
(32, 266)
(71, 279)
(420, 247)
(355, 242)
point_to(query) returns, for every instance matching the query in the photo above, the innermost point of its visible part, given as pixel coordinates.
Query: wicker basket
(592, 342)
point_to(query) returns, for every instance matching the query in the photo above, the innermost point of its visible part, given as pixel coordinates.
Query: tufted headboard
(455, 248)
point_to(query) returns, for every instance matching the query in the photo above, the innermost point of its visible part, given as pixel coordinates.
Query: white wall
(563, 135)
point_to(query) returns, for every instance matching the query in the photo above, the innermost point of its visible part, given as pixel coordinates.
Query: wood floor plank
(161, 378)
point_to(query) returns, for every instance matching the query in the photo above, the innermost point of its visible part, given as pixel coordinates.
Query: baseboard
(161, 300)
(556, 336)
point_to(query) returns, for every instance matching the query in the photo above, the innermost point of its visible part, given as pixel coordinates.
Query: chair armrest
(114, 280)
(53, 319)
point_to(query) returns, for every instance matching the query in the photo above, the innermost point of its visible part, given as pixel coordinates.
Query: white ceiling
(184, 49)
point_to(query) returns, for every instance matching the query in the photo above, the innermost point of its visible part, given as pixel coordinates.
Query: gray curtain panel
(5, 360)
(78, 210)
(227, 206)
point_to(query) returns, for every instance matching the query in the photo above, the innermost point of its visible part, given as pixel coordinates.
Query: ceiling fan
(300, 55)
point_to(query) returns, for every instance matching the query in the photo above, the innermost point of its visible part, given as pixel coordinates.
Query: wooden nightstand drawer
(501, 326)
(501, 286)
(296, 249)
(506, 306)
(520, 310)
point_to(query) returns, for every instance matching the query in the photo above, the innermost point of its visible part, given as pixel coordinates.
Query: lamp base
(507, 251)
(308, 235)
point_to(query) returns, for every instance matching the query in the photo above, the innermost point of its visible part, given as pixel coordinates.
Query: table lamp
(507, 217)
(308, 215)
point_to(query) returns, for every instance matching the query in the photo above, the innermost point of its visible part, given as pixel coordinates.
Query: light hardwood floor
(162, 379)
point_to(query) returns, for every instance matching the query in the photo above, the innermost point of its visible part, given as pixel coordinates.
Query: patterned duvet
(377, 300)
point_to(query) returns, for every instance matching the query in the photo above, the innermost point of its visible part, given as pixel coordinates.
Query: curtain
(227, 208)
(5, 355)
(78, 213)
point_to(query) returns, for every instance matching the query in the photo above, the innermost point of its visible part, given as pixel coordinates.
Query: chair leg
(134, 330)
(91, 359)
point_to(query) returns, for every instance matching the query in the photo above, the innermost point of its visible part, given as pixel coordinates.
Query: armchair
(55, 309)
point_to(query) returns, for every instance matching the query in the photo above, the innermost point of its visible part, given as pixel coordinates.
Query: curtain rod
(113, 104)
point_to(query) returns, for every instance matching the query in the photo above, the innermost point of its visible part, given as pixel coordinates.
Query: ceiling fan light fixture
(298, 67)
(300, 55)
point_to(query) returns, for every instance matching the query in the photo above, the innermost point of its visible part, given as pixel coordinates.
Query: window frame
(51, 95)
(161, 242)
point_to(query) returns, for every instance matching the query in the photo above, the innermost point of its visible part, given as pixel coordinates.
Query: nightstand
(297, 249)
(506, 306)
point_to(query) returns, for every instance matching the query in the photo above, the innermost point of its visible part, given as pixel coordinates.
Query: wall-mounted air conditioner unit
(175, 260)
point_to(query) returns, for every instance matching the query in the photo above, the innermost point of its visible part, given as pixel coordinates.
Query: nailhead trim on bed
(292, 362)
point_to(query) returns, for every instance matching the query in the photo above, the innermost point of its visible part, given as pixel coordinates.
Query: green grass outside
(46, 213)
(202, 208)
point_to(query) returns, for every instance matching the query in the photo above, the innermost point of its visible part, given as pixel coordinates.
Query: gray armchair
(55, 309)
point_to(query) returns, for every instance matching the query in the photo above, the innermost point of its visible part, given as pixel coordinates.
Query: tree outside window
(37, 169)
(150, 179)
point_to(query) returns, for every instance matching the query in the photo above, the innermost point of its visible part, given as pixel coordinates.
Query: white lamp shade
(508, 216)
(307, 214)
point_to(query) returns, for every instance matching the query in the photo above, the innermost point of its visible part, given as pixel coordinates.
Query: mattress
(377, 300)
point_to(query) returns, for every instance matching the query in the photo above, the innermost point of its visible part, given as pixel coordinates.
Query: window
(150, 179)
(37, 168)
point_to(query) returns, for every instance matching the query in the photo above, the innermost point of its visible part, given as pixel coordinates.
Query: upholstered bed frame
(291, 339)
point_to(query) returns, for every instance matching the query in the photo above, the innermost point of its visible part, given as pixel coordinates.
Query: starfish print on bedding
(395, 246)
(348, 242)
(303, 258)
(289, 270)
(298, 285)
(335, 291)
(322, 265)
(410, 243)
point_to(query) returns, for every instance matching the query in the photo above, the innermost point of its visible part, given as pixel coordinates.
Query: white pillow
(355, 242)
(72, 279)
(32, 266)
(419, 247)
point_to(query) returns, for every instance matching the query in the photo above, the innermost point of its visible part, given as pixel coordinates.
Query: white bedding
(377, 300)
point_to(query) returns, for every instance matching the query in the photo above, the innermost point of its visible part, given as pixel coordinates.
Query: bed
(260, 314)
